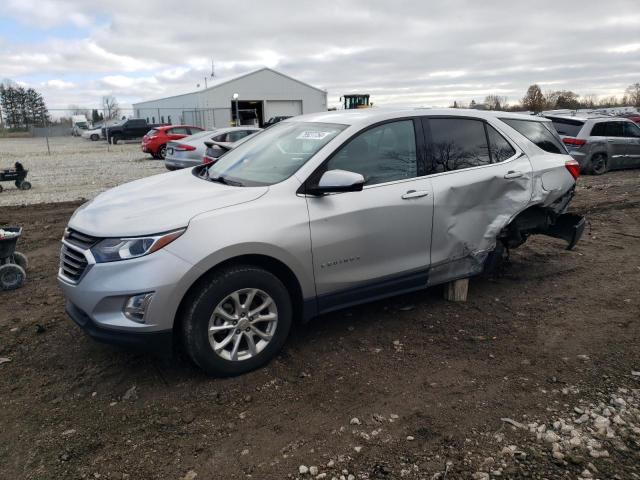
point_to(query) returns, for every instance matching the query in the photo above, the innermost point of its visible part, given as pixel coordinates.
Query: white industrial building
(261, 94)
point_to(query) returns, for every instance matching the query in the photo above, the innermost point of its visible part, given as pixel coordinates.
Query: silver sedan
(189, 151)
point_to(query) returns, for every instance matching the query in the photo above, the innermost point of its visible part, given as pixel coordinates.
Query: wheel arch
(270, 264)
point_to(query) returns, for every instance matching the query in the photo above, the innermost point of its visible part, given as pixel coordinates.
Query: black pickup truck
(130, 129)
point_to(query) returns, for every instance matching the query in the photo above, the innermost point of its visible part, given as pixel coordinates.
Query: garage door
(276, 108)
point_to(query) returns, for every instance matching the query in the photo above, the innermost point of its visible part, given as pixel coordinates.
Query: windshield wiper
(226, 181)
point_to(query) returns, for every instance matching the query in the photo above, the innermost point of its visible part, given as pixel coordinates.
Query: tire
(216, 294)
(171, 169)
(1, 188)
(25, 185)
(495, 260)
(11, 276)
(598, 164)
(115, 139)
(21, 260)
(162, 153)
(95, 138)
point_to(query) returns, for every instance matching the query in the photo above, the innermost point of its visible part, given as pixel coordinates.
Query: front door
(375, 242)
(480, 182)
(632, 136)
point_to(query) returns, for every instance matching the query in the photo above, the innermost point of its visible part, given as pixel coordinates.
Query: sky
(402, 52)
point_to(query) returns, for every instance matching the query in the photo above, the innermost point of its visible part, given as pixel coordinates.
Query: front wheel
(599, 164)
(94, 137)
(24, 185)
(115, 139)
(237, 321)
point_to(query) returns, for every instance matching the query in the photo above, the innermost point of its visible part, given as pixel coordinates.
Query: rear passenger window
(179, 131)
(501, 150)
(457, 143)
(381, 154)
(599, 130)
(537, 133)
(614, 129)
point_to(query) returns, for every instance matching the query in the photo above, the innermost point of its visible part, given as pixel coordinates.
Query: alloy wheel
(242, 324)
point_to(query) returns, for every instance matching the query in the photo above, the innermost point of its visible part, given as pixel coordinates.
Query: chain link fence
(65, 128)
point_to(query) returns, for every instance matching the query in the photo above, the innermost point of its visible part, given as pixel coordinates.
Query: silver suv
(600, 143)
(316, 213)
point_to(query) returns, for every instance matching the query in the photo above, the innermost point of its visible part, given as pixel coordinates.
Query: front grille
(80, 240)
(72, 263)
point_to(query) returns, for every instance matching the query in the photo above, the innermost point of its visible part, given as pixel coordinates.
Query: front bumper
(158, 342)
(96, 301)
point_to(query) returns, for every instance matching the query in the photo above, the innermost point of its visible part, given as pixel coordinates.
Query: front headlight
(114, 249)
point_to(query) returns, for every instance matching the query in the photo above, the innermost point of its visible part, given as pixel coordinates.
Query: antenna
(213, 69)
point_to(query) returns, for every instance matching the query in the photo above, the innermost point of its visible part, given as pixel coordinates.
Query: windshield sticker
(313, 135)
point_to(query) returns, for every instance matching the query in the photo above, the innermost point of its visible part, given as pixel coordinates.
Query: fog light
(135, 307)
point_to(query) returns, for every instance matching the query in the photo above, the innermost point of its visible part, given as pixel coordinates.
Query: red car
(155, 141)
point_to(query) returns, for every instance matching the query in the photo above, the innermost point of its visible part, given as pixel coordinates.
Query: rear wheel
(95, 137)
(599, 164)
(237, 321)
(162, 153)
(21, 259)
(1, 188)
(115, 139)
(11, 276)
(24, 185)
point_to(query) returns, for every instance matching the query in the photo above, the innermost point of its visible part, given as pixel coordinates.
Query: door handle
(415, 194)
(513, 174)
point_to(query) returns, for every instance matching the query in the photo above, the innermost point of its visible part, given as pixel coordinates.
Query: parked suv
(127, 130)
(314, 214)
(155, 141)
(600, 144)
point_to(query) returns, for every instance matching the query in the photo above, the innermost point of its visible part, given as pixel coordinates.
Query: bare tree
(496, 102)
(534, 100)
(633, 94)
(111, 107)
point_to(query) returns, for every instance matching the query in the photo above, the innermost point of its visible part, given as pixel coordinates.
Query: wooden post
(457, 290)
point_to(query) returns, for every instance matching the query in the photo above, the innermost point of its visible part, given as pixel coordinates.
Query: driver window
(381, 154)
(631, 130)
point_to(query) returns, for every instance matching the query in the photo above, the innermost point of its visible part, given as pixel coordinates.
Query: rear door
(480, 181)
(377, 241)
(632, 136)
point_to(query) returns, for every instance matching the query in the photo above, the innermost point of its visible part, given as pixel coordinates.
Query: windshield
(274, 154)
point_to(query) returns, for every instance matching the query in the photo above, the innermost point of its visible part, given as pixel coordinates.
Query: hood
(156, 204)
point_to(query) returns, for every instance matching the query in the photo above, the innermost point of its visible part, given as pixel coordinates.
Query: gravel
(76, 169)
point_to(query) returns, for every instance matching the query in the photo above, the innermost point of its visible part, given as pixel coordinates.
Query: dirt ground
(410, 387)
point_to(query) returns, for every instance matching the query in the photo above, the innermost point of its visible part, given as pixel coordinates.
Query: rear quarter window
(538, 133)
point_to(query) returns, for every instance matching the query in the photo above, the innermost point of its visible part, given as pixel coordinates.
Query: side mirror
(335, 181)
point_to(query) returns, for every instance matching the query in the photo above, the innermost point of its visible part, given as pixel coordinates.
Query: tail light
(184, 148)
(206, 160)
(573, 167)
(576, 142)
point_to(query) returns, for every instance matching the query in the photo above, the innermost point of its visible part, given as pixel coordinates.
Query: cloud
(413, 53)
(59, 84)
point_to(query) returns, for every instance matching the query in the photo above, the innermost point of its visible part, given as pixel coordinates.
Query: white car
(93, 134)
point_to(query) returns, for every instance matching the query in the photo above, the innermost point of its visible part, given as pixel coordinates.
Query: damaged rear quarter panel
(471, 207)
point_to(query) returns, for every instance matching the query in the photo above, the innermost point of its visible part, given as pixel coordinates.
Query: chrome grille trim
(73, 263)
